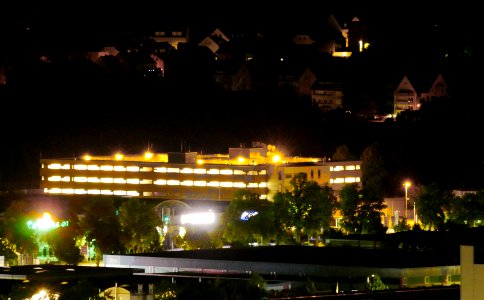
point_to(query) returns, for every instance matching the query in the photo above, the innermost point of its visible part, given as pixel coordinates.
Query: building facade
(190, 175)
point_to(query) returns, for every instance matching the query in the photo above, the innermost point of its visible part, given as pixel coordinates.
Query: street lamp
(407, 184)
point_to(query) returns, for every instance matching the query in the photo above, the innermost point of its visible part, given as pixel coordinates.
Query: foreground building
(189, 175)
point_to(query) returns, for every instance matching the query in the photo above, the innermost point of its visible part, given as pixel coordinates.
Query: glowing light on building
(276, 158)
(87, 157)
(118, 156)
(148, 155)
(198, 218)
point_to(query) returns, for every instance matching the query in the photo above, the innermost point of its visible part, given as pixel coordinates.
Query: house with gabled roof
(410, 95)
(214, 40)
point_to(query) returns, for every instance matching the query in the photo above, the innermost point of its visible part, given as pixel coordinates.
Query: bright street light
(407, 184)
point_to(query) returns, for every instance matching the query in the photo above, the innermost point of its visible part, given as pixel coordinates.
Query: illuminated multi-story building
(189, 175)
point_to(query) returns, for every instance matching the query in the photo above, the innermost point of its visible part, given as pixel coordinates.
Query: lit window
(54, 166)
(120, 193)
(200, 171)
(357, 167)
(107, 180)
(93, 167)
(132, 181)
(252, 173)
(160, 170)
(350, 179)
(107, 168)
(338, 168)
(132, 193)
(80, 167)
(160, 182)
(119, 180)
(66, 179)
(187, 182)
(173, 170)
(263, 196)
(54, 178)
(173, 182)
(262, 172)
(186, 171)
(146, 181)
(67, 191)
(80, 191)
(200, 183)
(331, 169)
(339, 180)
(350, 168)
(119, 168)
(226, 172)
(55, 190)
(80, 179)
(239, 184)
(357, 179)
(146, 169)
(263, 184)
(226, 184)
(93, 179)
(132, 169)
(66, 167)
(93, 192)
(213, 183)
(106, 192)
(239, 172)
(213, 171)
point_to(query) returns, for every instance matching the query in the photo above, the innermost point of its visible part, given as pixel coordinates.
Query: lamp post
(407, 185)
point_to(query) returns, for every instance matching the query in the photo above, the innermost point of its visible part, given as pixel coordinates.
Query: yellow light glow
(407, 184)
(87, 157)
(360, 43)
(241, 160)
(118, 156)
(148, 155)
(276, 158)
(366, 45)
(198, 218)
(200, 161)
(182, 231)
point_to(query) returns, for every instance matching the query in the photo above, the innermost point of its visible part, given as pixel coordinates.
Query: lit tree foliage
(15, 229)
(307, 208)
(467, 209)
(431, 202)
(257, 223)
(138, 221)
(360, 215)
(101, 224)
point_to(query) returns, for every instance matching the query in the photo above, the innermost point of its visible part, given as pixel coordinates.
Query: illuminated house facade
(189, 175)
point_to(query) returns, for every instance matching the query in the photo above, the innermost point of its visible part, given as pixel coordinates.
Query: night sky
(102, 117)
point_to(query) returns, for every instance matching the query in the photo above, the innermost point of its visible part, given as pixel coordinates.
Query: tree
(63, 243)
(374, 283)
(350, 196)
(15, 229)
(430, 201)
(467, 209)
(138, 221)
(309, 206)
(343, 153)
(374, 173)
(249, 218)
(102, 225)
(360, 214)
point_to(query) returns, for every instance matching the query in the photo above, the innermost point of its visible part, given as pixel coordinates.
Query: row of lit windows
(343, 168)
(345, 180)
(82, 167)
(91, 192)
(159, 182)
